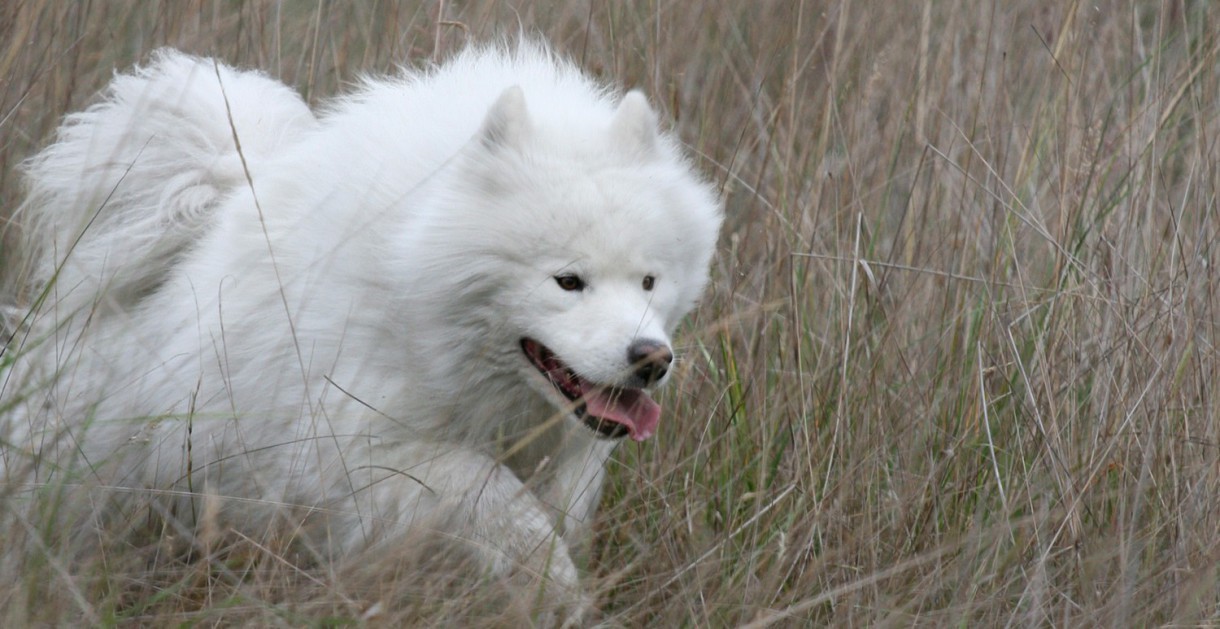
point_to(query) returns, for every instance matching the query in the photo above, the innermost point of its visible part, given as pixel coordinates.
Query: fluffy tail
(133, 180)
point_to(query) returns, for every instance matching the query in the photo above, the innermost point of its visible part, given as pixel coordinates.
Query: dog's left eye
(649, 281)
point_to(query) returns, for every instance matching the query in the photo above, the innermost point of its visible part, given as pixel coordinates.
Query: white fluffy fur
(345, 333)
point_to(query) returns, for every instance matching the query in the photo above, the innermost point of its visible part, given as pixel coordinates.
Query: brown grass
(957, 360)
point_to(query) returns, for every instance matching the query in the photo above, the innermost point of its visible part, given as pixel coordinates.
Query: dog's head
(593, 241)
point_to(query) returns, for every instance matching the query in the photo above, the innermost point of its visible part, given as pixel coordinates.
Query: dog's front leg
(465, 496)
(572, 485)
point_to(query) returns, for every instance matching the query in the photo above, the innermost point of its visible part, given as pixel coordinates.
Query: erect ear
(507, 122)
(634, 127)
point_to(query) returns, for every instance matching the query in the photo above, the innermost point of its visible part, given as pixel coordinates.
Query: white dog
(447, 293)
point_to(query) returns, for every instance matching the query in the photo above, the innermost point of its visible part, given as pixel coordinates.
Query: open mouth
(613, 412)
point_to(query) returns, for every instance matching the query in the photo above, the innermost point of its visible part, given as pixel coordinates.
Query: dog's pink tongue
(629, 407)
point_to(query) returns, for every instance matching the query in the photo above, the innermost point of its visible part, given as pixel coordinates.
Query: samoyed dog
(442, 300)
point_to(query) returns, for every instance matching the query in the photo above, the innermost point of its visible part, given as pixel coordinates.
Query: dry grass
(957, 363)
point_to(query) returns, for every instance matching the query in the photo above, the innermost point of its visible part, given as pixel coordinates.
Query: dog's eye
(570, 282)
(649, 281)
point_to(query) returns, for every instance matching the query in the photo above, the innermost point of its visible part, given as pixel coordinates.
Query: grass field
(957, 363)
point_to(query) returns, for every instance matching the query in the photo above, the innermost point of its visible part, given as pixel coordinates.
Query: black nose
(649, 360)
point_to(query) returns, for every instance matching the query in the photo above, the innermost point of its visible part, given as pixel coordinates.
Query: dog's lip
(611, 411)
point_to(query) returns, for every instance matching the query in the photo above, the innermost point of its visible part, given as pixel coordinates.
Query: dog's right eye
(570, 282)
